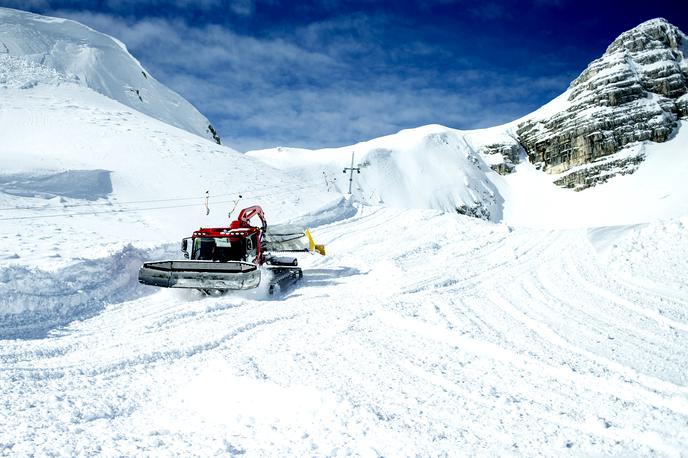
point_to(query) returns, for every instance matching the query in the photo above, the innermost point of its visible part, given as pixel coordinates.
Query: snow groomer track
(473, 338)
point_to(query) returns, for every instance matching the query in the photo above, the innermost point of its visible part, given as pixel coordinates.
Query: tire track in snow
(469, 361)
(605, 319)
(513, 374)
(608, 295)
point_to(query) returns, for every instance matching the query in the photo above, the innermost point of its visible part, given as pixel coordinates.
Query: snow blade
(200, 274)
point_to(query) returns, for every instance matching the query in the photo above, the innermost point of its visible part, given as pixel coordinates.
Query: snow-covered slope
(421, 333)
(442, 168)
(53, 50)
(68, 150)
(428, 167)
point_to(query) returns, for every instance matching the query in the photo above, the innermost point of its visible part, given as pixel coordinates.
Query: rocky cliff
(636, 91)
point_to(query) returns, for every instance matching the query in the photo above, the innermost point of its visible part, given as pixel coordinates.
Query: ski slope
(559, 327)
(83, 175)
(472, 339)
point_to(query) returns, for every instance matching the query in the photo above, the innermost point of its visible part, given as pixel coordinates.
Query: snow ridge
(38, 49)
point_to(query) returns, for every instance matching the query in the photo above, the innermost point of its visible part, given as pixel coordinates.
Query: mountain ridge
(81, 55)
(604, 125)
(635, 91)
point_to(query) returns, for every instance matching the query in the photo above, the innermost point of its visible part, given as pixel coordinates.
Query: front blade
(200, 274)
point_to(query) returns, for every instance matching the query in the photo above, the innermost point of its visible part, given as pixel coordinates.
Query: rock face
(636, 91)
(509, 154)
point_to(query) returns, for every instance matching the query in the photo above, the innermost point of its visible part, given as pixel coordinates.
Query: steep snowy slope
(69, 51)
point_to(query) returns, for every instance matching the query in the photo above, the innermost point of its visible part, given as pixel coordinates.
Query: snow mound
(37, 49)
(428, 167)
(35, 301)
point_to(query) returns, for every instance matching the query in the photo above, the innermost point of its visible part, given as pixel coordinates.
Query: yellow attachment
(312, 245)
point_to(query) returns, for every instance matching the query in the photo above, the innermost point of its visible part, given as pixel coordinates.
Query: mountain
(626, 108)
(82, 154)
(422, 332)
(37, 49)
(427, 167)
(636, 91)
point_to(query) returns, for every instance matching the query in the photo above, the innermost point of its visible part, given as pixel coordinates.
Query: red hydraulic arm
(244, 218)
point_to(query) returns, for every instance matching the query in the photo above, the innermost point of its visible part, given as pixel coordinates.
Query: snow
(656, 191)
(80, 54)
(382, 350)
(560, 327)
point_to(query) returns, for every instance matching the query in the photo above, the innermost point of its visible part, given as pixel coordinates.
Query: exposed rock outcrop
(636, 91)
(508, 153)
(600, 171)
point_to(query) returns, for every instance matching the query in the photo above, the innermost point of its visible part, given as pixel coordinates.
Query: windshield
(218, 249)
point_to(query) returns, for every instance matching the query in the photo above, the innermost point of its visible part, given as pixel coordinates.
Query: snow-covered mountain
(74, 139)
(626, 108)
(69, 150)
(37, 49)
(428, 167)
(422, 332)
(638, 90)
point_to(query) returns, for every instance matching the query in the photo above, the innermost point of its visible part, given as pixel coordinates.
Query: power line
(250, 194)
(125, 210)
(120, 203)
(41, 207)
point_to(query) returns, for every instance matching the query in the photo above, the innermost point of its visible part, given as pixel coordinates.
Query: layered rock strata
(636, 91)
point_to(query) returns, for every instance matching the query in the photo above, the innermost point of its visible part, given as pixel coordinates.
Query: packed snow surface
(472, 339)
(556, 326)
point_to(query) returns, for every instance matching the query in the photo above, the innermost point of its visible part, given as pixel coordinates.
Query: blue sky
(331, 73)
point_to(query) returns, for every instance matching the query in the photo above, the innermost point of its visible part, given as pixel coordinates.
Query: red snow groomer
(220, 259)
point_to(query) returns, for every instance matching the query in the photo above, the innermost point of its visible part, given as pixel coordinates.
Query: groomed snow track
(420, 333)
